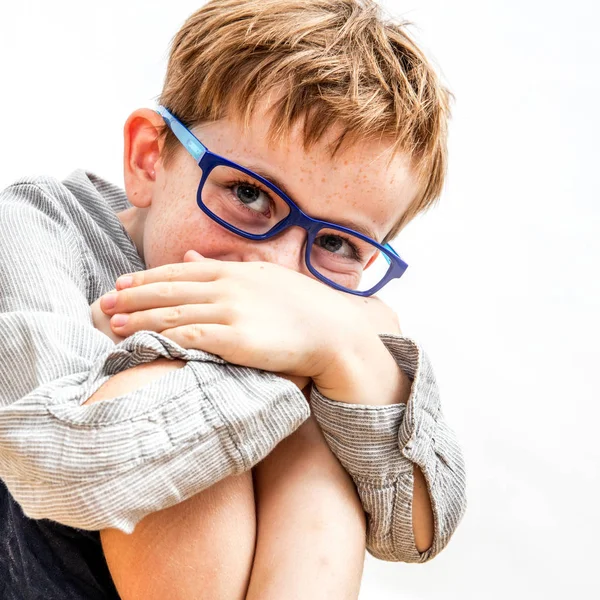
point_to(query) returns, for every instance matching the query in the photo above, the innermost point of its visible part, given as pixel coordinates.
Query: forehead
(364, 185)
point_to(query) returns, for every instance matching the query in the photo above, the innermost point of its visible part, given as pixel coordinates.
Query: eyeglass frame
(208, 160)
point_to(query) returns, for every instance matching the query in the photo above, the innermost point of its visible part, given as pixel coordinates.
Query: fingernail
(109, 301)
(119, 320)
(124, 281)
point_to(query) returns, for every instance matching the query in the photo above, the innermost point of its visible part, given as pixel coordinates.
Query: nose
(285, 249)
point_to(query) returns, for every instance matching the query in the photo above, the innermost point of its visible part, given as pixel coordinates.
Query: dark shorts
(42, 560)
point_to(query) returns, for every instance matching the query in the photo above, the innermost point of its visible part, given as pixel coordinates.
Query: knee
(304, 467)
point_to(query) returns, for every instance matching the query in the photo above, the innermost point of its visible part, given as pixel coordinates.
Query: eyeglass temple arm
(192, 144)
(388, 247)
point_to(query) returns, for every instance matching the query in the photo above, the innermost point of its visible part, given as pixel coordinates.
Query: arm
(300, 313)
(403, 457)
(110, 463)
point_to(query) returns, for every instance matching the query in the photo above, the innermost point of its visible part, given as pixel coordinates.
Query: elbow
(61, 491)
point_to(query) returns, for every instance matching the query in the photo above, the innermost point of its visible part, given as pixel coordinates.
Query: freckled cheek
(165, 240)
(215, 242)
(169, 241)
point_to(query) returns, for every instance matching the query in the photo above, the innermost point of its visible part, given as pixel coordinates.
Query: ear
(141, 155)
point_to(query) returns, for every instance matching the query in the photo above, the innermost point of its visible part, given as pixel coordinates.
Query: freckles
(190, 213)
(186, 241)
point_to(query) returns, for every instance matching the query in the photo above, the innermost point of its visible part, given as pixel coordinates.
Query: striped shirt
(110, 463)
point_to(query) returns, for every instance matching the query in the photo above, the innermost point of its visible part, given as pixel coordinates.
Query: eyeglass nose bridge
(297, 218)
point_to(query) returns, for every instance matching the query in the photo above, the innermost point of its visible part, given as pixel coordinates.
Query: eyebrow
(270, 177)
(343, 222)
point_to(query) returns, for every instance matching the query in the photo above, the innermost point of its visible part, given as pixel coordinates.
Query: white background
(502, 288)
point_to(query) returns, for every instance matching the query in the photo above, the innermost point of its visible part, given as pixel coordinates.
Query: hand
(102, 322)
(254, 314)
(379, 316)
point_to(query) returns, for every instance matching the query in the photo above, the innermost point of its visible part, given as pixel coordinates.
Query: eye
(338, 245)
(252, 197)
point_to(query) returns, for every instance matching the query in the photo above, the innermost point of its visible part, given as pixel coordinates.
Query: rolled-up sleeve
(379, 445)
(110, 463)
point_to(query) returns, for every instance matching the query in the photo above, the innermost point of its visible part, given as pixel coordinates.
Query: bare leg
(311, 530)
(200, 549)
(311, 526)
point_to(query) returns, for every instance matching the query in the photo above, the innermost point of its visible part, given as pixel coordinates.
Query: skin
(208, 288)
(365, 181)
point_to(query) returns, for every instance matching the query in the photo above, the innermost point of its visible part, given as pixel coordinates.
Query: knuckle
(219, 268)
(234, 311)
(164, 289)
(172, 271)
(137, 278)
(173, 316)
(134, 323)
(123, 299)
(226, 289)
(193, 331)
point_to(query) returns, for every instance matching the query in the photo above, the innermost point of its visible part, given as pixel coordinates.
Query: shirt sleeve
(378, 446)
(110, 463)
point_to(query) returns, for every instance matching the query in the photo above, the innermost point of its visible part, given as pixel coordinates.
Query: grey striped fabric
(111, 463)
(378, 446)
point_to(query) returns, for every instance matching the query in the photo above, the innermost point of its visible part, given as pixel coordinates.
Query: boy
(320, 117)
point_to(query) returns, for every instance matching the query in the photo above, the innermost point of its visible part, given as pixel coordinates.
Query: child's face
(359, 188)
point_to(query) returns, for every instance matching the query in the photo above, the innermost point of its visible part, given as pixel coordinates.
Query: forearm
(403, 457)
(109, 463)
(370, 375)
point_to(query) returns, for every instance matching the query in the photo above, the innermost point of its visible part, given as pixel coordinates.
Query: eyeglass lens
(245, 203)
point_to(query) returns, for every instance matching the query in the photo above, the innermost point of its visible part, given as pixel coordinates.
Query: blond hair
(337, 62)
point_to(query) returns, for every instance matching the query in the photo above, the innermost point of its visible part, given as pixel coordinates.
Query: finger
(159, 295)
(159, 319)
(206, 269)
(214, 338)
(193, 256)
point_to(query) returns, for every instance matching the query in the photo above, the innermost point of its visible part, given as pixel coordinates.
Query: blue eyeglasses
(249, 205)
